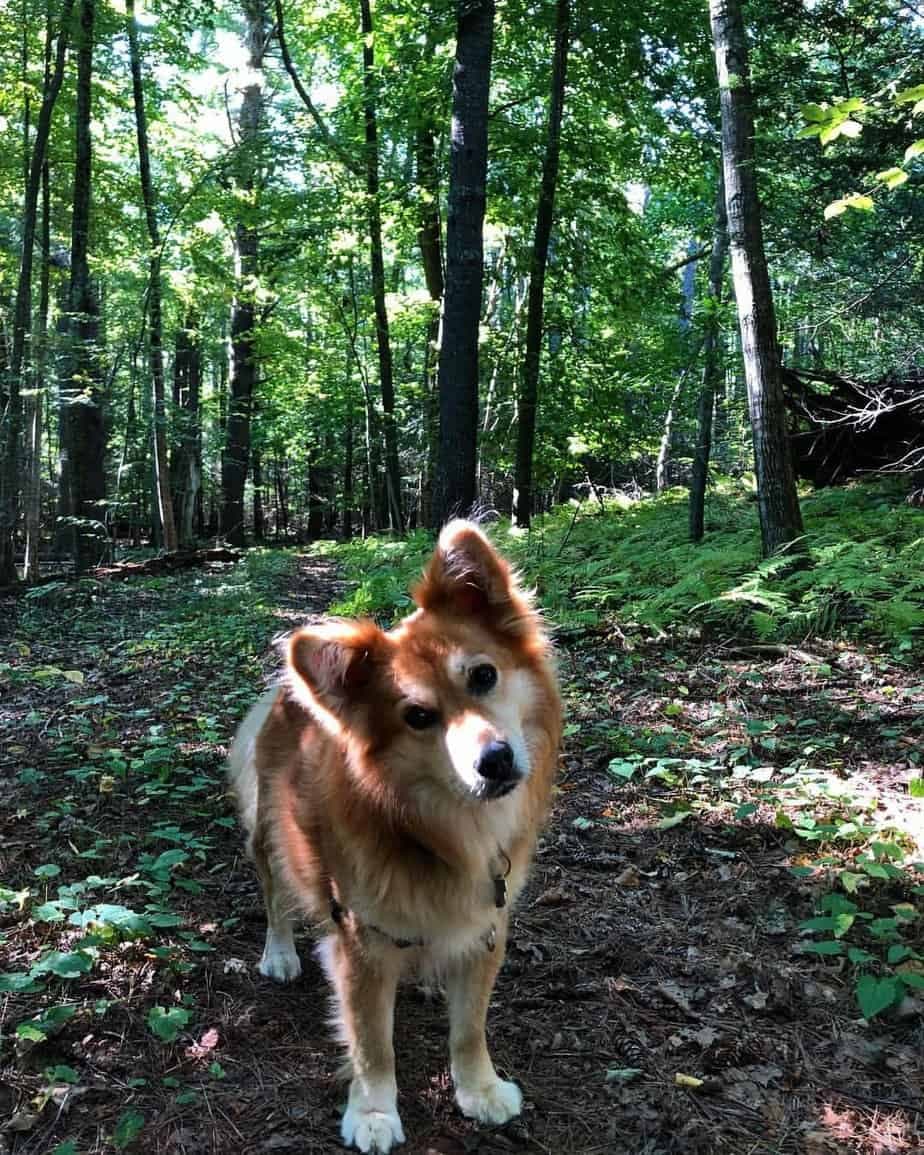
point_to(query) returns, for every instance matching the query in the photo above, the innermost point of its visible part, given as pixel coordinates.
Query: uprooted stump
(847, 428)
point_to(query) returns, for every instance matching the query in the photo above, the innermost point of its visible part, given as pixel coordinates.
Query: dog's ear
(333, 663)
(468, 577)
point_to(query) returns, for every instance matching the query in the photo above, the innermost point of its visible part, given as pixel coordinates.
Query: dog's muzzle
(497, 771)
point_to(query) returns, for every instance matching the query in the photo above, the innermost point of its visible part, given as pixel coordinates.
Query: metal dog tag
(500, 892)
(490, 940)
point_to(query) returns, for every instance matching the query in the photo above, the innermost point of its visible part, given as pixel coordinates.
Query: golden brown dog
(392, 790)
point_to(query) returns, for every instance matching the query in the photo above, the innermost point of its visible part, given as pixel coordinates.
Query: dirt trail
(652, 1001)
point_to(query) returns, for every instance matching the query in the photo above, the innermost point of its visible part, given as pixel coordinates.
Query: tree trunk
(777, 499)
(712, 364)
(236, 455)
(529, 386)
(155, 321)
(431, 254)
(82, 484)
(382, 337)
(259, 529)
(685, 320)
(11, 411)
(32, 502)
(455, 489)
(186, 471)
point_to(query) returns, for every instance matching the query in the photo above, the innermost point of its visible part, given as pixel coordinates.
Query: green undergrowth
(632, 563)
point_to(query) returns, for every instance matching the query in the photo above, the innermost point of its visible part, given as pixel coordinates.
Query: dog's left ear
(468, 577)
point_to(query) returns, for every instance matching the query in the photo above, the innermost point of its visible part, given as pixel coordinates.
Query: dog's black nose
(495, 762)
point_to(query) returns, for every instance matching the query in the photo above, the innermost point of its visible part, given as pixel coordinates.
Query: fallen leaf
(555, 896)
(629, 877)
(758, 1000)
(682, 1080)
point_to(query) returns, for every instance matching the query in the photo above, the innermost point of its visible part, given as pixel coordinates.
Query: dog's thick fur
(382, 831)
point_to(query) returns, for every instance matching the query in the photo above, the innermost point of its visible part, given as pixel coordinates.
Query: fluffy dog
(392, 790)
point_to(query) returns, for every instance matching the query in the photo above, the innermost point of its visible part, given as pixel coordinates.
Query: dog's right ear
(331, 664)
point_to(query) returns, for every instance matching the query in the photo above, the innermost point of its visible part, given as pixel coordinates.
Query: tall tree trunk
(382, 337)
(11, 412)
(429, 238)
(712, 364)
(777, 499)
(529, 385)
(82, 485)
(455, 489)
(259, 529)
(236, 455)
(186, 470)
(348, 460)
(155, 321)
(32, 503)
(685, 320)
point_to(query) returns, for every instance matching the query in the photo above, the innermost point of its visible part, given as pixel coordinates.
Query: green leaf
(859, 956)
(854, 201)
(61, 1074)
(49, 870)
(624, 767)
(127, 1130)
(875, 995)
(913, 979)
(623, 1074)
(851, 882)
(815, 113)
(898, 953)
(916, 787)
(22, 982)
(671, 820)
(829, 946)
(167, 1024)
(910, 95)
(914, 149)
(48, 912)
(65, 966)
(68, 1147)
(745, 810)
(892, 177)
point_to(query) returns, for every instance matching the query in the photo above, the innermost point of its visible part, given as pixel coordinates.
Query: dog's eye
(420, 718)
(482, 679)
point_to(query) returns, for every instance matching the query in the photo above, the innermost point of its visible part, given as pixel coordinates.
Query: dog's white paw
(370, 1129)
(280, 959)
(491, 1102)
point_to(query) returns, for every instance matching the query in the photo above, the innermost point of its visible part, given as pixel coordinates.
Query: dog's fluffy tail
(242, 765)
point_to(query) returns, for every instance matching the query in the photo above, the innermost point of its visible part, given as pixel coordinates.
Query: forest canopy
(233, 257)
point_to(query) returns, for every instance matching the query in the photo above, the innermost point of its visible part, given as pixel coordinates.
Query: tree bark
(529, 386)
(382, 336)
(236, 455)
(32, 496)
(687, 298)
(777, 499)
(712, 364)
(82, 484)
(429, 237)
(155, 321)
(455, 489)
(11, 414)
(186, 471)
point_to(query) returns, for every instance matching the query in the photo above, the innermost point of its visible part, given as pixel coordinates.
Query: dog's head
(448, 700)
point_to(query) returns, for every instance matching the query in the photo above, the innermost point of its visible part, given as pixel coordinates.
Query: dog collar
(338, 912)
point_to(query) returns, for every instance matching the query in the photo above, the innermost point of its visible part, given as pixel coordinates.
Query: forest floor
(662, 991)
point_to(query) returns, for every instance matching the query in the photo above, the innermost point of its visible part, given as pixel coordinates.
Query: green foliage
(633, 564)
(167, 1024)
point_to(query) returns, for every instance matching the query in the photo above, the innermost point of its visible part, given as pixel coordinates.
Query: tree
(526, 402)
(251, 128)
(11, 422)
(458, 366)
(777, 499)
(82, 476)
(712, 363)
(382, 338)
(155, 321)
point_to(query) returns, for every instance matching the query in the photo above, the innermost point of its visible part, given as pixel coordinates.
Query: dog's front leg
(480, 1092)
(365, 984)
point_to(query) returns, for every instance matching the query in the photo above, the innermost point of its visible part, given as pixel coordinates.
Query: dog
(392, 789)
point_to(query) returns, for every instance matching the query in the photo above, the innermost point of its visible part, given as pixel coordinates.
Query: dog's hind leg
(364, 983)
(480, 1092)
(280, 959)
